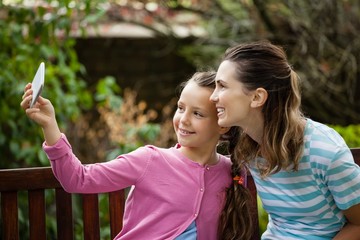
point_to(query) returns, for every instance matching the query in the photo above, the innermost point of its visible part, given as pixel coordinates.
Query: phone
(38, 83)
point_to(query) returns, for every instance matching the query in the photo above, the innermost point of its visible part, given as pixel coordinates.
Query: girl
(177, 193)
(304, 172)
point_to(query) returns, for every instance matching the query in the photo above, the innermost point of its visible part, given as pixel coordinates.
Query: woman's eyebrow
(220, 81)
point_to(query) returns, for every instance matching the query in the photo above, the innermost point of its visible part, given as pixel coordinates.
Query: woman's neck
(254, 127)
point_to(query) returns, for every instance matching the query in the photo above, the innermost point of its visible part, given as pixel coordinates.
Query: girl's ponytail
(236, 218)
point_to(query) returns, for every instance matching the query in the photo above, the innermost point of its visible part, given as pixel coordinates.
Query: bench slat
(27, 179)
(64, 214)
(356, 153)
(9, 214)
(252, 188)
(91, 217)
(116, 209)
(37, 215)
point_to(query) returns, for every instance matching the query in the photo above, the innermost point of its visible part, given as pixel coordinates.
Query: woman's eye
(218, 84)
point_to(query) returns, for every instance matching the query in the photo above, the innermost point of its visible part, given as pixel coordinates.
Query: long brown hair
(236, 222)
(265, 65)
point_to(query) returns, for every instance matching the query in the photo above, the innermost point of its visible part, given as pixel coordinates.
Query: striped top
(307, 204)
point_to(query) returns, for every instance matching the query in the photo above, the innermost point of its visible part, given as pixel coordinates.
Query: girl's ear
(259, 97)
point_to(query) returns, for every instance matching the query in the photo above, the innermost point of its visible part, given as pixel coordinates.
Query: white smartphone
(38, 83)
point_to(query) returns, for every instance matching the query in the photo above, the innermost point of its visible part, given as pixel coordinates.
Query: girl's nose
(184, 118)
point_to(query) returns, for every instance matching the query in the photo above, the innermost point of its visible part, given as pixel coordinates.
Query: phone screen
(38, 83)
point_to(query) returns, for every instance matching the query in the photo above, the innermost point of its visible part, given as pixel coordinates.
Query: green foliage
(263, 216)
(28, 36)
(350, 134)
(143, 134)
(106, 93)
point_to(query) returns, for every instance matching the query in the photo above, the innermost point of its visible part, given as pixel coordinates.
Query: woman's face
(231, 98)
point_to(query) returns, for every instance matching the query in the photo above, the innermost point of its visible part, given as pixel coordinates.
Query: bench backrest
(36, 180)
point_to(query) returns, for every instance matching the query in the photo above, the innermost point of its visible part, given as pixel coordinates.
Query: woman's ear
(259, 98)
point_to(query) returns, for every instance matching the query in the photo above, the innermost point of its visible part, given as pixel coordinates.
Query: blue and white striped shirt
(307, 204)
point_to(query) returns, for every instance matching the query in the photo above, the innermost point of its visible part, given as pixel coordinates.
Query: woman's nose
(214, 96)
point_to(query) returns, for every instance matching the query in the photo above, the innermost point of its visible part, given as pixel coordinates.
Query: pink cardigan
(169, 191)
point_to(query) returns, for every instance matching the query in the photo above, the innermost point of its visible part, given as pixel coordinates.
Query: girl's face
(195, 120)
(233, 101)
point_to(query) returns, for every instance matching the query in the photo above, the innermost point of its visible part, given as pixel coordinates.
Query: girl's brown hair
(236, 221)
(202, 79)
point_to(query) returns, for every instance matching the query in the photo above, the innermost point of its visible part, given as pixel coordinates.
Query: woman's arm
(351, 231)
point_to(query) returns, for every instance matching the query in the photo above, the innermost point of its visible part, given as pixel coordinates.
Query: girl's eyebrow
(202, 110)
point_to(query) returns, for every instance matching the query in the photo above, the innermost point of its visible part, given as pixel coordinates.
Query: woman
(304, 172)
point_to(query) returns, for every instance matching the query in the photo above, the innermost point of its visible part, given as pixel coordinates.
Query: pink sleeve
(116, 174)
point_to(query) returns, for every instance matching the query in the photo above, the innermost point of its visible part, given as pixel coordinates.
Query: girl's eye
(180, 109)
(198, 114)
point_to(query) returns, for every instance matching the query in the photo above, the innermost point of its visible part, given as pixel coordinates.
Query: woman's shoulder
(323, 142)
(323, 134)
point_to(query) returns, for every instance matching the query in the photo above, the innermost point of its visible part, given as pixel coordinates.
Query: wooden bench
(36, 180)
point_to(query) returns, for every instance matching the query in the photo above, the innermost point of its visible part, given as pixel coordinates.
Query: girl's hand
(42, 113)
